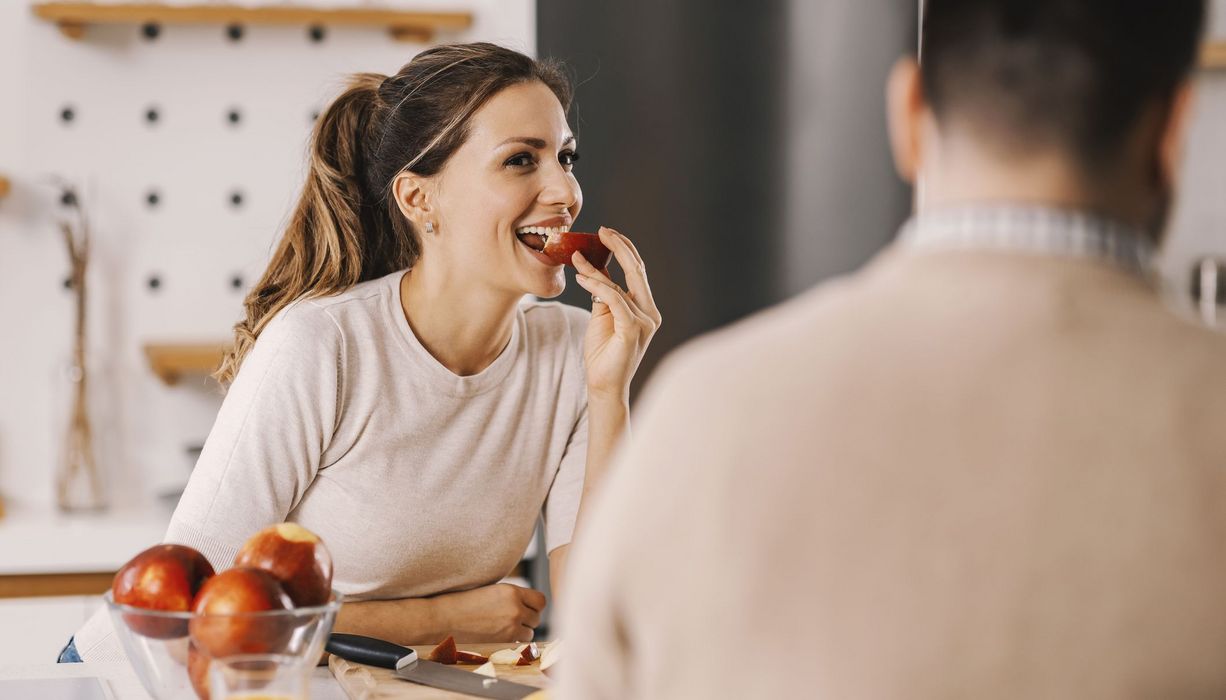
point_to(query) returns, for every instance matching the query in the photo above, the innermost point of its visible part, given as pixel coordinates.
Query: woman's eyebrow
(534, 142)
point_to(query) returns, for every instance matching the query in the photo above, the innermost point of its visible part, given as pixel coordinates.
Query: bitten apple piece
(487, 669)
(445, 652)
(561, 246)
(296, 557)
(550, 657)
(470, 657)
(506, 657)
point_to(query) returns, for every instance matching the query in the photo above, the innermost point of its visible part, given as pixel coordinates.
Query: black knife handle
(366, 650)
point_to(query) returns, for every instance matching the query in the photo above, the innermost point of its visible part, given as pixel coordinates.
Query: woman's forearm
(406, 621)
(608, 421)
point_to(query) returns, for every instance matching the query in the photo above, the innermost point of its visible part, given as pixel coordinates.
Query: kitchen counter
(45, 552)
(119, 682)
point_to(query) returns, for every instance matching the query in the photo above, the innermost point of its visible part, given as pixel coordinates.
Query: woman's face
(514, 171)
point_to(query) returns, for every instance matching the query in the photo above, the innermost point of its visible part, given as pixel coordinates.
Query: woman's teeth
(536, 237)
(542, 230)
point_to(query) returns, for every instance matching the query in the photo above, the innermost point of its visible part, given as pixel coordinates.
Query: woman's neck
(463, 325)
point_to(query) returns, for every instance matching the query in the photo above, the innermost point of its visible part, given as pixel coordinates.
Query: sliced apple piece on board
(506, 657)
(487, 669)
(445, 652)
(470, 658)
(528, 653)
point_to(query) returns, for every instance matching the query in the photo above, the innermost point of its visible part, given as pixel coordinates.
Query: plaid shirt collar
(1032, 229)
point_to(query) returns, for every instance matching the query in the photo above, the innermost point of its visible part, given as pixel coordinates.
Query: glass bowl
(171, 651)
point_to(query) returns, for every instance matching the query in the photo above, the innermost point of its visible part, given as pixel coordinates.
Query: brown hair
(346, 228)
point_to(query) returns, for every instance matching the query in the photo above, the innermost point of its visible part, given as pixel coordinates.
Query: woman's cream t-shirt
(418, 480)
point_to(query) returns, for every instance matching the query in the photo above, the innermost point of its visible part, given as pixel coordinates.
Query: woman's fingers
(589, 270)
(636, 271)
(612, 297)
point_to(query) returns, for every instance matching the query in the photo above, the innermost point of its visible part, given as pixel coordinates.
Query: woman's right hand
(501, 612)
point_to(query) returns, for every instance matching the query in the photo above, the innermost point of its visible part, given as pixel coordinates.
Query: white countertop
(119, 681)
(37, 540)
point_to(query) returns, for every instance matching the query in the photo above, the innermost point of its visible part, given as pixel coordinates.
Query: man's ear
(1174, 135)
(412, 193)
(904, 116)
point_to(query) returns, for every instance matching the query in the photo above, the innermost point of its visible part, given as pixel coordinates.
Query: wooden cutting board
(362, 682)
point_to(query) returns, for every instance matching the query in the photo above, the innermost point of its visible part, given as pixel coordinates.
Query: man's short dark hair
(1076, 75)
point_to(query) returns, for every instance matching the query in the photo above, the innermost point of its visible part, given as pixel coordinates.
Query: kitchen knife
(377, 652)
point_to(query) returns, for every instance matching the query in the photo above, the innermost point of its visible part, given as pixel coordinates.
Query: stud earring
(430, 227)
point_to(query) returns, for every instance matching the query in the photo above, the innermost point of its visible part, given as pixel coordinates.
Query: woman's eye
(521, 160)
(568, 157)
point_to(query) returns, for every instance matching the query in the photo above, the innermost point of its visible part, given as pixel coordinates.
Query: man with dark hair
(990, 464)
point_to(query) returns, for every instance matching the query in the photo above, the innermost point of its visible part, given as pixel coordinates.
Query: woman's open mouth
(535, 237)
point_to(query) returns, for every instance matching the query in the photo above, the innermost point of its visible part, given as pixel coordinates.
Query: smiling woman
(392, 388)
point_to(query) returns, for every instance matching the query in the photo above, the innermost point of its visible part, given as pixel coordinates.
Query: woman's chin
(550, 287)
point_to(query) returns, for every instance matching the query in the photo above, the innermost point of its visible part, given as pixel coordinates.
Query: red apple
(296, 557)
(445, 652)
(198, 671)
(163, 577)
(560, 246)
(220, 628)
(470, 658)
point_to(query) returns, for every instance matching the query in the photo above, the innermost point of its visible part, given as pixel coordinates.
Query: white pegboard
(194, 241)
(1198, 227)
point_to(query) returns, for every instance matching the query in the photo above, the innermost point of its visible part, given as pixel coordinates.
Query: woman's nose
(561, 189)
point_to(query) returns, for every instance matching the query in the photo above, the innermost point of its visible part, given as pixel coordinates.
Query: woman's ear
(1174, 135)
(412, 193)
(904, 115)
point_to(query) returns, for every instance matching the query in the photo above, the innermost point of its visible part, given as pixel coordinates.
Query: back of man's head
(1071, 75)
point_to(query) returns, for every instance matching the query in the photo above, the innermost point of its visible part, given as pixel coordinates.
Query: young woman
(393, 390)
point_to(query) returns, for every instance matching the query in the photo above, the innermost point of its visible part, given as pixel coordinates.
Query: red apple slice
(470, 657)
(487, 669)
(506, 657)
(445, 652)
(528, 653)
(561, 246)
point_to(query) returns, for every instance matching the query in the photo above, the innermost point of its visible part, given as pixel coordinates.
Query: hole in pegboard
(151, 30)
(236, 282)
(68, 198)
(235, 32)
(234, 116)
(154, 282)
(67, 282)
(314, 116)
(317, 33)
(236, 199)
(152, 115)
(153, 198)
(67, 114)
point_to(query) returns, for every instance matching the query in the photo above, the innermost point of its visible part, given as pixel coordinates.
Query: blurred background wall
(742, 146)
(743, 151)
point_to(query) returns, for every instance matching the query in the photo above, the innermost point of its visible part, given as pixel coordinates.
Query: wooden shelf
(1213, 56)
(5, 187)
(74, 17)
(171, 362)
